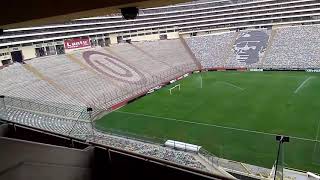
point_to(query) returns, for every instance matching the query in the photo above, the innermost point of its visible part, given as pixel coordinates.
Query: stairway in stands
(270, 41)
(229, 50)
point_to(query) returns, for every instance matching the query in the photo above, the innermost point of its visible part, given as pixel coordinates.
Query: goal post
(174, 87)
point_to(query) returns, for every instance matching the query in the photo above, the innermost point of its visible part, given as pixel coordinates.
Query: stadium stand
(157, 151)
(289, 48)
(294, 48)
(53, 93)
(95, 82)
(47, 154)
(16, 81)
(211, 49)
(248, 49)
(84, 130)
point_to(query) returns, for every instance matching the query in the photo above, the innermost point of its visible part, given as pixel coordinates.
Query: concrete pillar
(113, 39)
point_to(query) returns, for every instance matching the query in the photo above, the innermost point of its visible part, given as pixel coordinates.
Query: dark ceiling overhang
(25, 13)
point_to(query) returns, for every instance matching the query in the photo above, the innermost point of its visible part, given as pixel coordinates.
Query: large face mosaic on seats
(250, 46)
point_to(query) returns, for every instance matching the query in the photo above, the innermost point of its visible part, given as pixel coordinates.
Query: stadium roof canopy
(17, 13)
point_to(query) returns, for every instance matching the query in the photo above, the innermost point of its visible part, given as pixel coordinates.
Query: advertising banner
(76, 43)
(313, 70)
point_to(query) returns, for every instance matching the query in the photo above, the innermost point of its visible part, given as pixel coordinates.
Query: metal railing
(130, 135)
(60, 110)
(134, 89)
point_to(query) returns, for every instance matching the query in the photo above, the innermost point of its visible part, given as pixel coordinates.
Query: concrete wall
(3, 129)
(173, 35)
(28, 52)
(186, 35)
(151, 37)
(40, 161)
(279, 26)
(113, 38)
(24, 171)
(4, 57)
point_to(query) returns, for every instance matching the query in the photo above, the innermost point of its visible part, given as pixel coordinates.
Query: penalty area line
(213, 125)
(302, 84)
(230, 84)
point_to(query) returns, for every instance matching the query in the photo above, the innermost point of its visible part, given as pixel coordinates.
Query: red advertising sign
(77, 43)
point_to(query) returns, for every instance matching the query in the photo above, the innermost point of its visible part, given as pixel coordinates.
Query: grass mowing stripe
(213, 125)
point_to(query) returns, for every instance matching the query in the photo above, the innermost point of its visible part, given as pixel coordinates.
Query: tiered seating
(16, 81)
(81, 80)
(164, 55)
(248, 49)
(104, 78)
(83, 130)
(211, 50)
(54, 124)
(168, 154)
(291, 48)
(295, 47)
(71, 78)
(50, 108)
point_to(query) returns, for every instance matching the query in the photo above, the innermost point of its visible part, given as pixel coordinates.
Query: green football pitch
(234, 115)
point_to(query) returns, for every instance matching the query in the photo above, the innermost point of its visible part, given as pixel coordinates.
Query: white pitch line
(317, 135)
(213, 125)
(302, 84)
(227, 83)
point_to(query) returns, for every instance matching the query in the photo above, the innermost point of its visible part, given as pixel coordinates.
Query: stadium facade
(199, 17)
